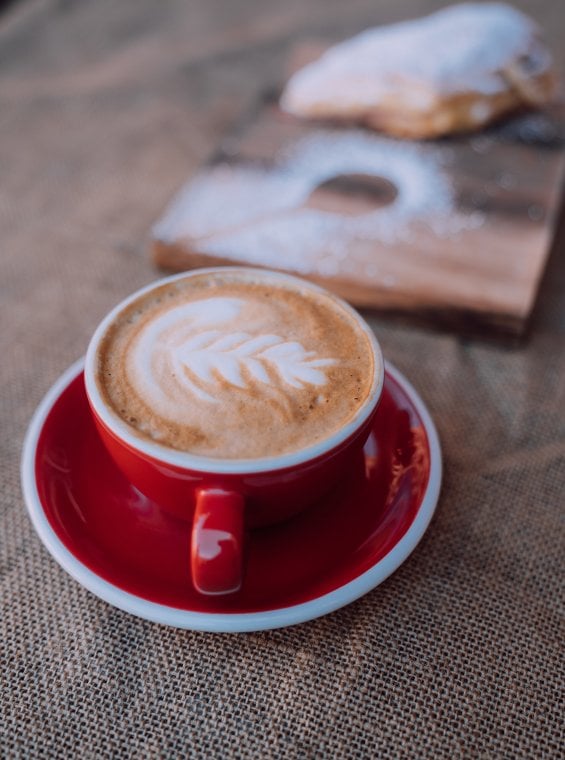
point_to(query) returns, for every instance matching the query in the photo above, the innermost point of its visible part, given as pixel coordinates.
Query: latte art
(232, 366)
(229, 354)
(174, 354)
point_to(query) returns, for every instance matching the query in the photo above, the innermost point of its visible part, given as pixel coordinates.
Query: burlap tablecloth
(104, 107)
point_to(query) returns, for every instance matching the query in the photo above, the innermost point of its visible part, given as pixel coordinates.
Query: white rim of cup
(219, 466)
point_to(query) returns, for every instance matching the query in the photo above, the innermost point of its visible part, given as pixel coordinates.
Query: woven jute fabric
(104, 109)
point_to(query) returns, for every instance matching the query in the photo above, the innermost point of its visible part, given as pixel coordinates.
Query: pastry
(455, 70)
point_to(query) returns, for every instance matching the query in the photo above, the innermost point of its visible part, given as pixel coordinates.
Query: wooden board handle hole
(353, 194)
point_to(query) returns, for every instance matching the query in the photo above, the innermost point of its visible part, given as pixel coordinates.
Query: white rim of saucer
(228, 466)
(226, 622)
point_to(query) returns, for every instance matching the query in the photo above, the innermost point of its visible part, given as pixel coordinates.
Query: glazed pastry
(455, 70)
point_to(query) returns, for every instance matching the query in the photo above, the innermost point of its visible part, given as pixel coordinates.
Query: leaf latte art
(175, 353)
(219, 366)
(228, 355)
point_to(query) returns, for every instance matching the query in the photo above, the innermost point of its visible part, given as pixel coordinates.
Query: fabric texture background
(104, 110)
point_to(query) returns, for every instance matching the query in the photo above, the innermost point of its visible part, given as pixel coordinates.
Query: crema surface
(226, 366)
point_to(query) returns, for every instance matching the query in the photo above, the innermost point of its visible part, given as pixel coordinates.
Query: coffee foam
(230, 367)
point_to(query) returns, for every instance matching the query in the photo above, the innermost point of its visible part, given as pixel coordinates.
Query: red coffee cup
(221, 498)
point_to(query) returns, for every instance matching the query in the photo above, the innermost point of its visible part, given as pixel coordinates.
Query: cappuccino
(235, 364)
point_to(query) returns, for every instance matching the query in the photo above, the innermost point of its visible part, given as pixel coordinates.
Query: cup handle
(216, 554)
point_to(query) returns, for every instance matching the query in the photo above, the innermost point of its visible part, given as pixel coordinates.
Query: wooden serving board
(457, 230)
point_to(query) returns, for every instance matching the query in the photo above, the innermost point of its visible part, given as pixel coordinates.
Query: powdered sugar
(463, 48)
(261, 215)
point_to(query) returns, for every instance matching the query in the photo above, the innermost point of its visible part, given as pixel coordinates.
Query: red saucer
(123, 547)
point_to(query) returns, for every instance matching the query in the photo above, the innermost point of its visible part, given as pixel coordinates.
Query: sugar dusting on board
(262, 214)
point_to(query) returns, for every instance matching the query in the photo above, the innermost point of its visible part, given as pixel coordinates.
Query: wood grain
(481, 279)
